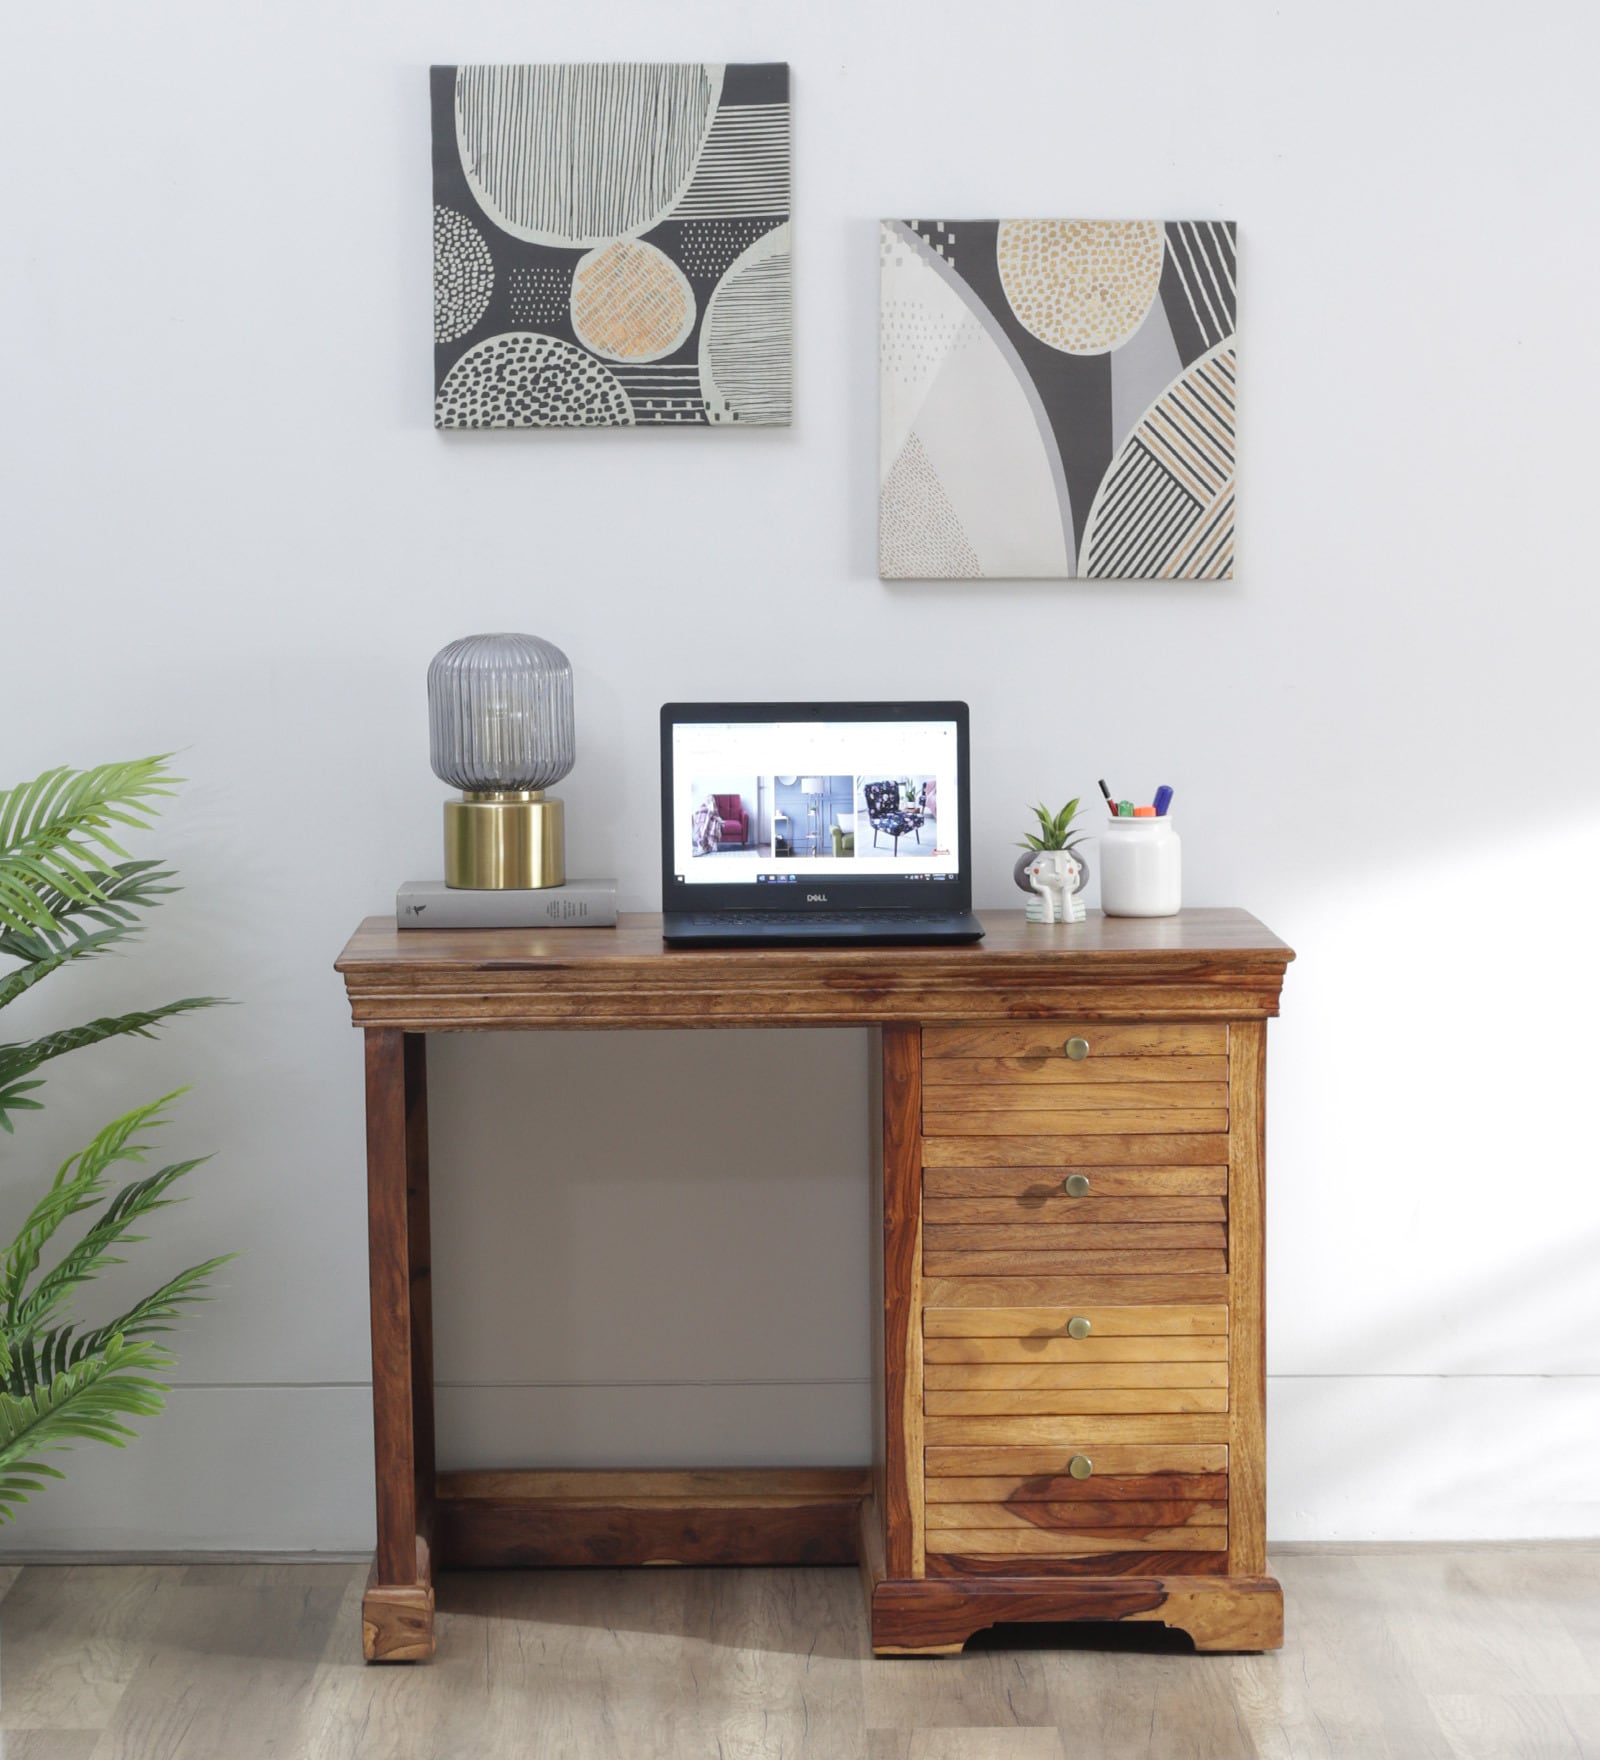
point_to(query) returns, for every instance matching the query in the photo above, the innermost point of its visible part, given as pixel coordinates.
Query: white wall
(229, 527)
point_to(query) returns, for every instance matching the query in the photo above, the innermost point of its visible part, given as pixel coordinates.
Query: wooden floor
(1491, 1651)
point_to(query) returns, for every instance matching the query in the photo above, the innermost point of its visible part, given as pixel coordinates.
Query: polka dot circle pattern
(525, 380)
(463, 275)
(1082, 286)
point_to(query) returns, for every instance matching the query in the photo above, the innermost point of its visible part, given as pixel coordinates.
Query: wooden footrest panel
(555, 1520)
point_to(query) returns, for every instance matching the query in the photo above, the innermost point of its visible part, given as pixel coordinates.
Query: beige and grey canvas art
(1057, 399)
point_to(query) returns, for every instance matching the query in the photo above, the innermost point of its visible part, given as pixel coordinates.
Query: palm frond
(38, 1356)
(91, 1255)
(44, 958)
(56, 835)
(85, 1403)
(23, 1058)
(79, 1185)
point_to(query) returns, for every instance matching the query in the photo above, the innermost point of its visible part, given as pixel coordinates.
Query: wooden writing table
(1069, 1365)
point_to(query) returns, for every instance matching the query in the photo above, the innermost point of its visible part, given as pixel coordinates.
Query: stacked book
(580, 904)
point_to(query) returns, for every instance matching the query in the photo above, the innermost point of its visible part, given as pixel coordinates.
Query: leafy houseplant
(68, 892)
(1056, 831)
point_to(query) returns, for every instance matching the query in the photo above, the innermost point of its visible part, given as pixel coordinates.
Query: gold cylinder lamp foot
(504, 841)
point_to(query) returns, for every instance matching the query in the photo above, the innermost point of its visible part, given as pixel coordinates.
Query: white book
(580, 904)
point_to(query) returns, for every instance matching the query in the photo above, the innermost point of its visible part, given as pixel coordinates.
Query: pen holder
(1141, 868)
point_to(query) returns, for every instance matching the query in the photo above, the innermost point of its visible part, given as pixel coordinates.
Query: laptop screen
(804, 805)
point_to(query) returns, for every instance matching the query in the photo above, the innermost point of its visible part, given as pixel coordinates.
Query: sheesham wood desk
(1068, 1345)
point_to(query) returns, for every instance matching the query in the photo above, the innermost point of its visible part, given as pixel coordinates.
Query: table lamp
(500, 729)
(812, 788)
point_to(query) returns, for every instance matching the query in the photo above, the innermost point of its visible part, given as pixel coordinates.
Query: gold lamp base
(504, 842)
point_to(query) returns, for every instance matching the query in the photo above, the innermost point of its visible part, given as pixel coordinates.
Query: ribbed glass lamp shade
(500, 714)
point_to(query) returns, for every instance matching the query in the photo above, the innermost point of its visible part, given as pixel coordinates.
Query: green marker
(1124, 809)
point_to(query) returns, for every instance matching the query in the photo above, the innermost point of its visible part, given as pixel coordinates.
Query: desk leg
(397, 1610)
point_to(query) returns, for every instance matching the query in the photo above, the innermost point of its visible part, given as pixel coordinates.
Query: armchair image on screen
(896, 808)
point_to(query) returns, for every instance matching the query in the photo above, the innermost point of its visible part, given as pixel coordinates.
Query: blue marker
(1163, 800)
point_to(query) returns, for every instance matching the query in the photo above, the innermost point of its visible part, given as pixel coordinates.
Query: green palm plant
(69, 892)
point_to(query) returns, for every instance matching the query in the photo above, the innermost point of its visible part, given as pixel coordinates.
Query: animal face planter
(1056, 879)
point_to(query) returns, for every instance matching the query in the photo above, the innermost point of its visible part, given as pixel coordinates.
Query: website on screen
(785, 802)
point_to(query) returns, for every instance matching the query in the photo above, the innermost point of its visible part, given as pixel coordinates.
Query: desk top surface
(1200, 962)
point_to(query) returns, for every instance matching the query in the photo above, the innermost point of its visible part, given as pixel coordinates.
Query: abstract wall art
(611, 245)
(1057, 399)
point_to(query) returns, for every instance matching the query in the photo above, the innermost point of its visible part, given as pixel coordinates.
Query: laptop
(802, 822)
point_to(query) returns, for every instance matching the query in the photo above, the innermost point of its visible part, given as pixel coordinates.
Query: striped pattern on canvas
(746, 342)
(744, 166)
(1166, 510)
(1203, 254)
(581, 153)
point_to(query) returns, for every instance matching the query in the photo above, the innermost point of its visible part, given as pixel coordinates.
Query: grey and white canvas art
(611, 245)
(1057, 399)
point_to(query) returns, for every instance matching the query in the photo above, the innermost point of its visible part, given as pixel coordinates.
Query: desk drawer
(1060, 1362)
(1104, 1041)
(1086, 1506)
(1047, 1079)
(1042, 1222)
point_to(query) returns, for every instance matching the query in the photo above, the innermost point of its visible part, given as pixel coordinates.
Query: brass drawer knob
(1080, 1466)
(1077, 1049)
(1076, 1185)
(1078, 1327)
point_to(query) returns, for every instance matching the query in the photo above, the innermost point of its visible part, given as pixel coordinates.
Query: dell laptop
(798, 822)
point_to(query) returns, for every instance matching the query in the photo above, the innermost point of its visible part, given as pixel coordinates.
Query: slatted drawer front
(1043, 1221)
(1098, 1359)
(1056, 1079)
(1113, 1505)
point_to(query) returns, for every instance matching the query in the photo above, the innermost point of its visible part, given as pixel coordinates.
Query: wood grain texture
(498, 1533)
(1424, 1652)
(389, 1243)
(1069, 1402)
(1042, 1235)
(1050, 1349)
(1073, 1515)
(1048, 1039)
(1247, 1551)
(1112, 1456)
(1056, 1071)
(1059, 1261)
(937, 1613)
(617, 1485)
(1106, 1097)
(1071, 1294)
(1204, 963)
(1025, 1541)
(1129, 1375)
(1065, 1212)
(1011, 1123)
(1143, 1563)
(1043, 1185)
(1067, 1432)
(419, 1276)
(1103, 1488)
(1146, 1320)
(902, 1300)
(1072, 1153)
(396, 1620)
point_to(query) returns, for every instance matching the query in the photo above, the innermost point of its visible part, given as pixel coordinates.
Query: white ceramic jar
(1141, 868)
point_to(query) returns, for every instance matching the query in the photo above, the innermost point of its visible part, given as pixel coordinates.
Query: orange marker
(1144, 812)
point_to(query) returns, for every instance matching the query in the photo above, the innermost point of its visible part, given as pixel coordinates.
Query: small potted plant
(1051, 857)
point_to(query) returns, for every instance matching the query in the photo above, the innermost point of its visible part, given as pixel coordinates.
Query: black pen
(1107, 793)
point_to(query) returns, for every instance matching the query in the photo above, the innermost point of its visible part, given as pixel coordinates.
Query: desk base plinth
(934, 1616)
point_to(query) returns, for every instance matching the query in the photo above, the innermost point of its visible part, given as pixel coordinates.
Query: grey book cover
(580, 904)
